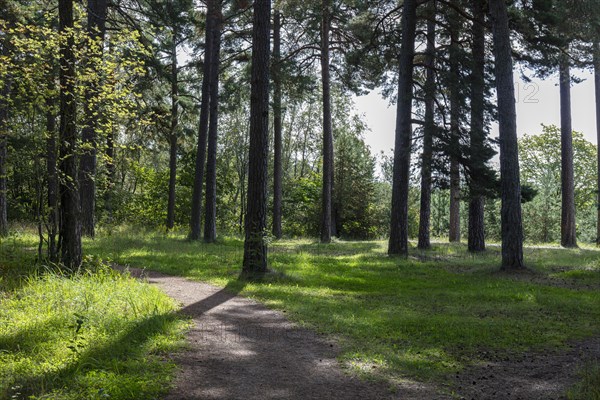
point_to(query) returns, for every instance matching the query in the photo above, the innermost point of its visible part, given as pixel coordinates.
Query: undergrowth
(95, 334)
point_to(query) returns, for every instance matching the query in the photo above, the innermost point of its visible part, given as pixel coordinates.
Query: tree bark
(110, 174)
(597, 92)
(173, 133)
(87, 169)
(398, 243)
(511, 222)
(277, 126)
(210, 219)
(326, 209)
(455, 111)
(255, 246)
(70, 226)
(476, 224)
(454, 226)
(195, 221)
(4, 95)
(476, 239)
(111, 170)
(428, 133)
(52, 177)
(568, 233)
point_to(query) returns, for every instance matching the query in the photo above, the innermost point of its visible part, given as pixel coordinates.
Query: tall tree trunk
(398, 243)
(173, 133)
(428, 133)
(326, 209)
(196, 213)
(476, 240)
(110, 174)
(210, 219)
(568, 235)
(172, 181)
(87, 168)
(111, 169)
(70, 226)
(597, 90)
(39, 206)
(4, 95)
(454, 226)
(255, 246)
(277, 125)
(455, 111)
(52, 177)
(511, 222)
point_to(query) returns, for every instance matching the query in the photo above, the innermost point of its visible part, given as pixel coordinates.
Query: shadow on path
(240, 349)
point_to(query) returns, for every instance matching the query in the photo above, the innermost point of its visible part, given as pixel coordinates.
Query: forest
(180, 175)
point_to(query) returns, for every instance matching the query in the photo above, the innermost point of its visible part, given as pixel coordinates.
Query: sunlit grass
(93, 335)
(423, 317)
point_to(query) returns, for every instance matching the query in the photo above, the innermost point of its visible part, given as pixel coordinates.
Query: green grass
(93, 335)
(589, 386)
(422, 317)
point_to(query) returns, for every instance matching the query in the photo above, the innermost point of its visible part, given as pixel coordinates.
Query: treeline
(235, 117)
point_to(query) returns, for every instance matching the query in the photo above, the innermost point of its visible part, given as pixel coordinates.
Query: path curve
(240, 349)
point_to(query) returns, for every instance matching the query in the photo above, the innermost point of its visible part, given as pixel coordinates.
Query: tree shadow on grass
(26, 339)
(331, 249)
(125, 347)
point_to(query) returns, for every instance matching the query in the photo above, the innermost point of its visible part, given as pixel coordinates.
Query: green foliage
(302, 206)
(25, 166)
(540, 168)
(33, 63)
(147, 204)
(354, 194)
(92, 335)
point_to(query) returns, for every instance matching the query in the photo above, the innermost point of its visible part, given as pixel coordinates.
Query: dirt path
(528, 375)
(239, 349)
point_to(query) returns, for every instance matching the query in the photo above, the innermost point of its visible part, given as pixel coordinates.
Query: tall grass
(94, 335)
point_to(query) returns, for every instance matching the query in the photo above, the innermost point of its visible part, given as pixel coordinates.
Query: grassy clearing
(423, 317)
(92, 335)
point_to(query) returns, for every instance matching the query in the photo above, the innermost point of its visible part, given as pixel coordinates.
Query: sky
(537, 103)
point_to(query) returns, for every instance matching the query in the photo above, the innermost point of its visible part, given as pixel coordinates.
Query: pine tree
(398, 242)
(478, 158)
(549, 28)
(195, 222)
(512, 229)
(428, 131)
(255, 246)
(277, 125)
(70, 212)
(210, 219)
(326, 210)
(456, 108)
(597, 93)
(96, 28)
(4, 111)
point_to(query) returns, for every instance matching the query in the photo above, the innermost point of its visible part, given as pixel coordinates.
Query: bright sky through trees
(530, 114)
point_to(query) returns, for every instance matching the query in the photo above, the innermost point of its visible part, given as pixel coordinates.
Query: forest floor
(438, 324)
(332, 321)
(93, 334)
(240, 349)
